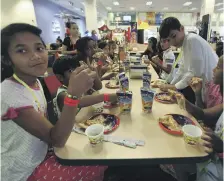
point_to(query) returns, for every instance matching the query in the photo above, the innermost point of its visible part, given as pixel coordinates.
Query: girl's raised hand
(81, 80)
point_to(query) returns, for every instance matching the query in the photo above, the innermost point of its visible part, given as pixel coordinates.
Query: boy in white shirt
(199, 59)
(168, 59)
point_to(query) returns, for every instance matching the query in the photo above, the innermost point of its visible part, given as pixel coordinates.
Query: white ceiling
(139, 5)
(157, 5)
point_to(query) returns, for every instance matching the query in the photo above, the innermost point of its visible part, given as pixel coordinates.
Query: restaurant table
(160, 147)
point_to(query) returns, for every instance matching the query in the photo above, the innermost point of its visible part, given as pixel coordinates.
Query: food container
(147, 99)
(124, 83)
(126, 65)
(95, 133)
(192, 134)
(125, 101)
(121, 75)
(136, 71)
(146, 78)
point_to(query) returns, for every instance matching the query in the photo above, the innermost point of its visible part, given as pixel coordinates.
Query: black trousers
(189, 94)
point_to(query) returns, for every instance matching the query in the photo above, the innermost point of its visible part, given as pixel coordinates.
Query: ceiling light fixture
(219, 4)
(109, 8)
(81, 10)
(187, 3)
(149, 3)
(165, 8)
(116, 3)
(192, 9)
(132, 8)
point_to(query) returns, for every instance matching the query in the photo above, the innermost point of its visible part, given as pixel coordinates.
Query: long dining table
(160, 147)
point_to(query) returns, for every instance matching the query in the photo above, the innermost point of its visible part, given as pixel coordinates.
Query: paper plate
(107, 85)
(181, 120)
(110, 123)
(163, 101)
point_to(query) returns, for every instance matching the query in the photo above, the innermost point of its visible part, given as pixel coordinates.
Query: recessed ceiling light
(132, 8)
(220, 9)
(81, 10)
(165, 8)
(116, 3)
(187, 3)
(149, 3)
(219, 4)
(109, 8)
(192, 9)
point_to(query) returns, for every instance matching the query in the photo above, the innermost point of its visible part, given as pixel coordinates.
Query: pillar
(91, 15)
(207, 8)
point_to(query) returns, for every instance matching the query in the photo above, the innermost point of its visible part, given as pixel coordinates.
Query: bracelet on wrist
(106, 97)
(71, 96)
(71, 101)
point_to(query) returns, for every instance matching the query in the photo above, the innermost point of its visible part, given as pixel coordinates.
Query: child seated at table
(212, 95)
(112, 49)
(212, 118)
(26, 132)
(168, 60)
(63, 69)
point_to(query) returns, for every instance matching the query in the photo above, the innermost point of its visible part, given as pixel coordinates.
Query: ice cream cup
(192, 134)
(95, 133)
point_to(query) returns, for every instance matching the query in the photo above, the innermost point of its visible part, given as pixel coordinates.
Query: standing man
(199, 59)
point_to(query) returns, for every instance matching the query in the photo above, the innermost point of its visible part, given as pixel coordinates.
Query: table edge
(135, 161)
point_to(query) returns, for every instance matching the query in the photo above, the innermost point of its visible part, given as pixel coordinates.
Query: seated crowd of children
(27, 134)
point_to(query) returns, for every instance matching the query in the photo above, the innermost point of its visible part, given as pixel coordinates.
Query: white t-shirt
(21, 152)
(199, 59)
(168, 59)
(55, 102)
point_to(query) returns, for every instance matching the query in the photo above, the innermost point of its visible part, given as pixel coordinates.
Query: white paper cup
(192, 134)
(95, 133)
(98, 108)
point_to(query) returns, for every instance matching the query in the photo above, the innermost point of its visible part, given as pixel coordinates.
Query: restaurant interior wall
(187, 19)
(13, 11)
(142, 18)
(45, 14)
